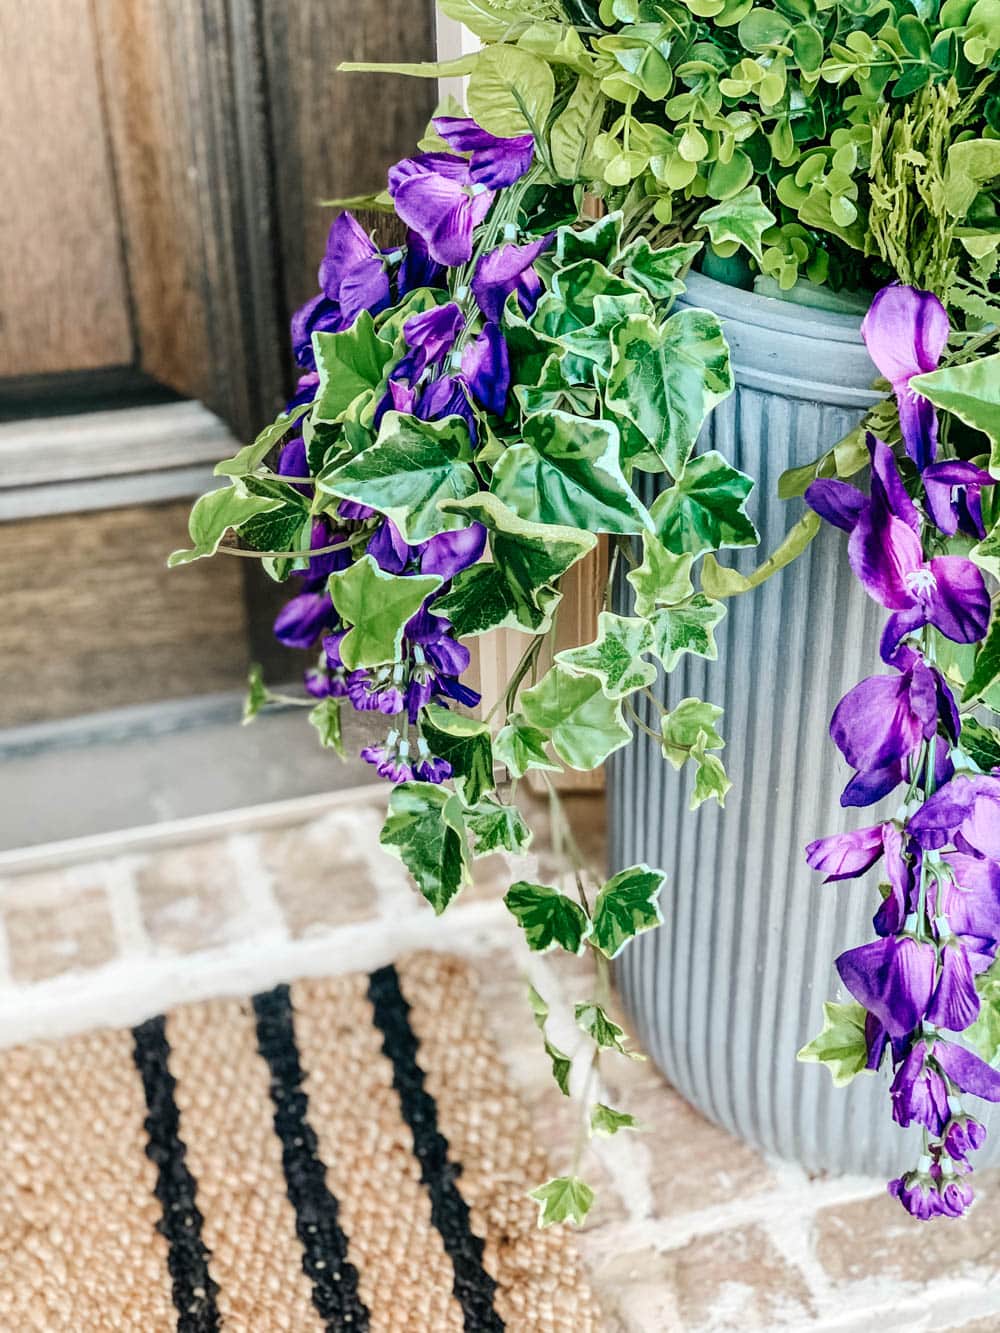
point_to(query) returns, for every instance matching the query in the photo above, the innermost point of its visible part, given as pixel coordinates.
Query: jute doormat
(339, 1154)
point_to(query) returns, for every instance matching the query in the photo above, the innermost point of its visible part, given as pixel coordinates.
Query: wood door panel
(63, 294)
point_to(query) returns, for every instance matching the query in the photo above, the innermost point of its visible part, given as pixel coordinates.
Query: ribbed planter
(733, 984)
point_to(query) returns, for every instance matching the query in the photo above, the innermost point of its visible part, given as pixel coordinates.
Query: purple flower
(918, 1194)
(954, 499)
(494, 162)
(906, 331)
(430, 768)
(417, 268)
(509, 269)
(967, 1071)
(434, 195)
(318, 315)
(957, 1196)
(352, 272)
(301, 620)
(846, 855)
(963, 1135)
(450, 552)
(448, 397)
(486, 369)
(971, 904)
(965, 811)
(354, 512)
(429, 336)
(390, 758)
(388, 548)
(305, 390)
(893, 978)
(919, 1092)
(292, 462)
(955, 1002)
(375, 693)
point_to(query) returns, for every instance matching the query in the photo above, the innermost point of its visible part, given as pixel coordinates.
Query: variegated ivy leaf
(585, 725)
(252, 455)
(662, 579)
(257, 693)
(325, 717)
(562, 1066)
(547, 917)
(592, 1019)
(514, 589)
(520, 747)
(351, 365)
(598, 241)
(741, 220)
(686, 629)
(656, 271)
(625, 907)
(706, 508)
(615, 655)
(285, 528)
(682, 727)
(981, 744)
(497, 828)
(377, 605)
(593, 342)
(553, 392)
(605, 1121)
(563, 1199)
(465, 743)
(984, 1034)
(425, 830)
(986, 672)
(213, 514)
(710, 780)
(841, 1046)
(667, 379)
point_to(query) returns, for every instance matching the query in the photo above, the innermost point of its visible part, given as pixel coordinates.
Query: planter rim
(767, 312)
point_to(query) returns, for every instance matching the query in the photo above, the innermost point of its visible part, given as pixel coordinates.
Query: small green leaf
(351, 364)
(972, 392)
(497, 828)
(841, 1046)
(986, 672)
(614, 657)
(605, 1121)
(741, 220)
(510, 92)
(984, 1034)
(214, 514)
(539, 1009)
(656, 271)
(563, 1199)
(257, 693)
(711, 781)
(424, 829)
(465, 743)
(585, 725)
(625, 907)
(682, 727)
(663, 578)
(520, 747)
(252, 455)
(706, 508)
(592, 1019)
(981, 744)
(547, 917)
(325, 717)
(686, 629)
(720, 581)
(377, 605)
(562, 1066)
(598, 241)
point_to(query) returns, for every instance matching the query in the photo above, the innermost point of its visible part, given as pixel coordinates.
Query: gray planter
(725, 993)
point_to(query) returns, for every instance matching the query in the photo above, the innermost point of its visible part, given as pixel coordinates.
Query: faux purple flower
(509, 269)
(450, 552)
(390, 759)
(965, 812)
(374, 693)
(486, 369)
(893, 978)
(429, 336)
(418, 269)
(846, 855)
(318, 315)
(434, 195)
(963, 1135)
(305, 390)
(906, 331)
(448, 397)
(918, 1194)
(956, 1195)
(955, 1002)
(970, 902)
(954, 496)
(919, 1092)
(301, 620)
(967, 1071)
(352, 272)
(493, 162)
(388, 548)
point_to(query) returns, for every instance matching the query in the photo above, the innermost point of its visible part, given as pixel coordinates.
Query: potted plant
(479, 407)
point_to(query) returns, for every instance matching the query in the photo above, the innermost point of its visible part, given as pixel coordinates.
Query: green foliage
(425, 830)
(688, 628)
(465, 743)
(841, 1046)
(584, 724)
(521, 747)
(706, 509)
(257, 693)
(250, 457)
(325, 717)
(984, 1034)
(981, 744)
(625, 907)
(615, 655)
(215, 513)
(547, 917)
(605, 1121)
(495, 827)
(592, 1019)
(563, 1199)
(377, 606)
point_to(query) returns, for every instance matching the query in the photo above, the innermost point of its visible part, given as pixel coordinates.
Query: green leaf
(706, 508)
(510, 92)
(562, 1066)
(539, 1009)
(424, 830)
(719, 581)
(547, 917)
(325, 717)
(598, 241)
(981, 744)
(972, 392)
(257, 693)
(711, 782)
(841, 1046)
(971, 164)
(350, 364)
(656, 271)
(593, 1020)
(682, 728)
(625, 907)
(286, 528)
(585, 725)
(214, 514)
(520, 748)
(497, 828)
(686, 629)
(986, 672)
(593, 342)
(614, 656)
(377, 605)
(515, 590)
(563, 1199)
(422, 69)
(554, 392)
(666, 380)
(567, 472)
(741, 220)
(984, 1034)
(572, 134)
(465, 743)
(486, 20)
(408, 472)
(663, 578)
(252, 455)
(605, 1121)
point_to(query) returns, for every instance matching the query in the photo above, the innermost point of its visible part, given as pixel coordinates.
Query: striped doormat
(339, 1154)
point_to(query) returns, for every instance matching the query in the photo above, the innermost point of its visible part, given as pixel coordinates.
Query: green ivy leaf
(656, 271)
(497, 828)
(257, 693)
(605, 1121)
(986, 672)
(465, 743)
(552, 392)
(567, 473)
(666, 380)
(719, 581)
(377, 605)
(841, 1046)
(706, 508)
(520, 747)
(614, 657)
(663, 578)
(599, 241)
(741, 220)
(514, 590)
(593, 1020)
(252, 455)
(593, 342)
(686, 629)
(510, 92)
(981, 744)
(625, 907)
(351, 364)
(424, 829)
(562, 1066)
(547, 917)
(563, 1199)
(411, 469)
(711, 781)
(214, 514)
(984, 1034)
(585, 725)
(972, 392)
(682, 727)
(325, 717)
(286, 528)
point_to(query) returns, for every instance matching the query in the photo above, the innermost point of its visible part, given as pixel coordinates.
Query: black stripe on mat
(473, 1286)
(194, 1290)
(324, 1245)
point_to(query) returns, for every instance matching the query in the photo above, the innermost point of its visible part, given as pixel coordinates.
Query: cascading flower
(508, 269)
(493, 162)
(435, 196)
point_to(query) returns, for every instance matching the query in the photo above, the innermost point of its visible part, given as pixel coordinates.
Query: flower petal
(846, 855)
(967, 1070)
(837, 502)
(893, 979)
(955, 1002)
